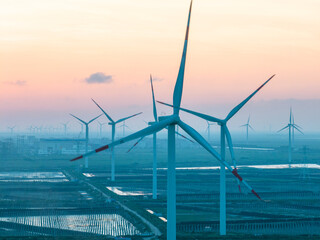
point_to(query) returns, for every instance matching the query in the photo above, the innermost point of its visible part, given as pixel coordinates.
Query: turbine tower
(171, 121)
(224, 134)
(291, 126)
(247, 125)
(113, 127)
(87, 133)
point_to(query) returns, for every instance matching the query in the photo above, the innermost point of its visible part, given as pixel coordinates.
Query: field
(49, 195)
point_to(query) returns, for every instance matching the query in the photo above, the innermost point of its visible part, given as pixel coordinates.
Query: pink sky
(48, 48)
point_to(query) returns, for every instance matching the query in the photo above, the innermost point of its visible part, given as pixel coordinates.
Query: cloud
(18, 83)
(99, 77)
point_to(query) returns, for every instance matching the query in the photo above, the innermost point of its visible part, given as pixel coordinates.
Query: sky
(57, 55)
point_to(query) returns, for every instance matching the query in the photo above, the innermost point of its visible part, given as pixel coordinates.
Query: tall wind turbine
(170, 122)
(291, 126)
(224, 134)
(113, 127)
(154, 167)
(247, 125)
(87, 133)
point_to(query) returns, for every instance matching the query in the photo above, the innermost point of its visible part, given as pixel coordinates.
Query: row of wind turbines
(170, 122)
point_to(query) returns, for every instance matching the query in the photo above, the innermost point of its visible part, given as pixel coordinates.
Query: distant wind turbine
(208, 130)
(156, 120)
(100, 127)
(291, 126)
(87, 133)
(113, 126)
(11, 129)
(65, 127)
(170, 122)
(247, 125)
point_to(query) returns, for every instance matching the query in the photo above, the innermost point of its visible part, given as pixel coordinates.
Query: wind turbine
(100, 127)
(170, 122)
(113, 127)
(291, 126)
(65, 126)
(247, 125)
(11, 129)
(224, 134)
(208, 129)
(154, 166)
(87, 133)
(124, 126)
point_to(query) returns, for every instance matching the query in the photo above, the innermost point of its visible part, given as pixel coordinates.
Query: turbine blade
(78, 119)
(198, 138)
(229, 141)
(244, 125)
(144, 132)
(134, 145)
(201, 115)
(179, 134)
(110, 119)
(283, 128)
(298, 126)
(123, 119)
(294, 126)
(251, 128)
(94, 118)
(154, 102)
(239, 106)
(177, 94)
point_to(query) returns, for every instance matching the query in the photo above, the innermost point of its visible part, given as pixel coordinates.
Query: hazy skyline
(50, 49)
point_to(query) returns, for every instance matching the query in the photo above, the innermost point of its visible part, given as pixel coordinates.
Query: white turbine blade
(251, 128)
(201, 115)
(290, 119)
(298, 126)
(134, 145)
(177, 94)
(94, 118)
(154, 102)
(244, 125)
(198, 138)
(294, 126)
(123, 119)
(239, 106)
(144, 132)
(110, 119)
(283, 128)
(78, 119)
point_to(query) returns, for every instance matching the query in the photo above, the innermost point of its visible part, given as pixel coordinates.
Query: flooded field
(100, 224)
(32, 177)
